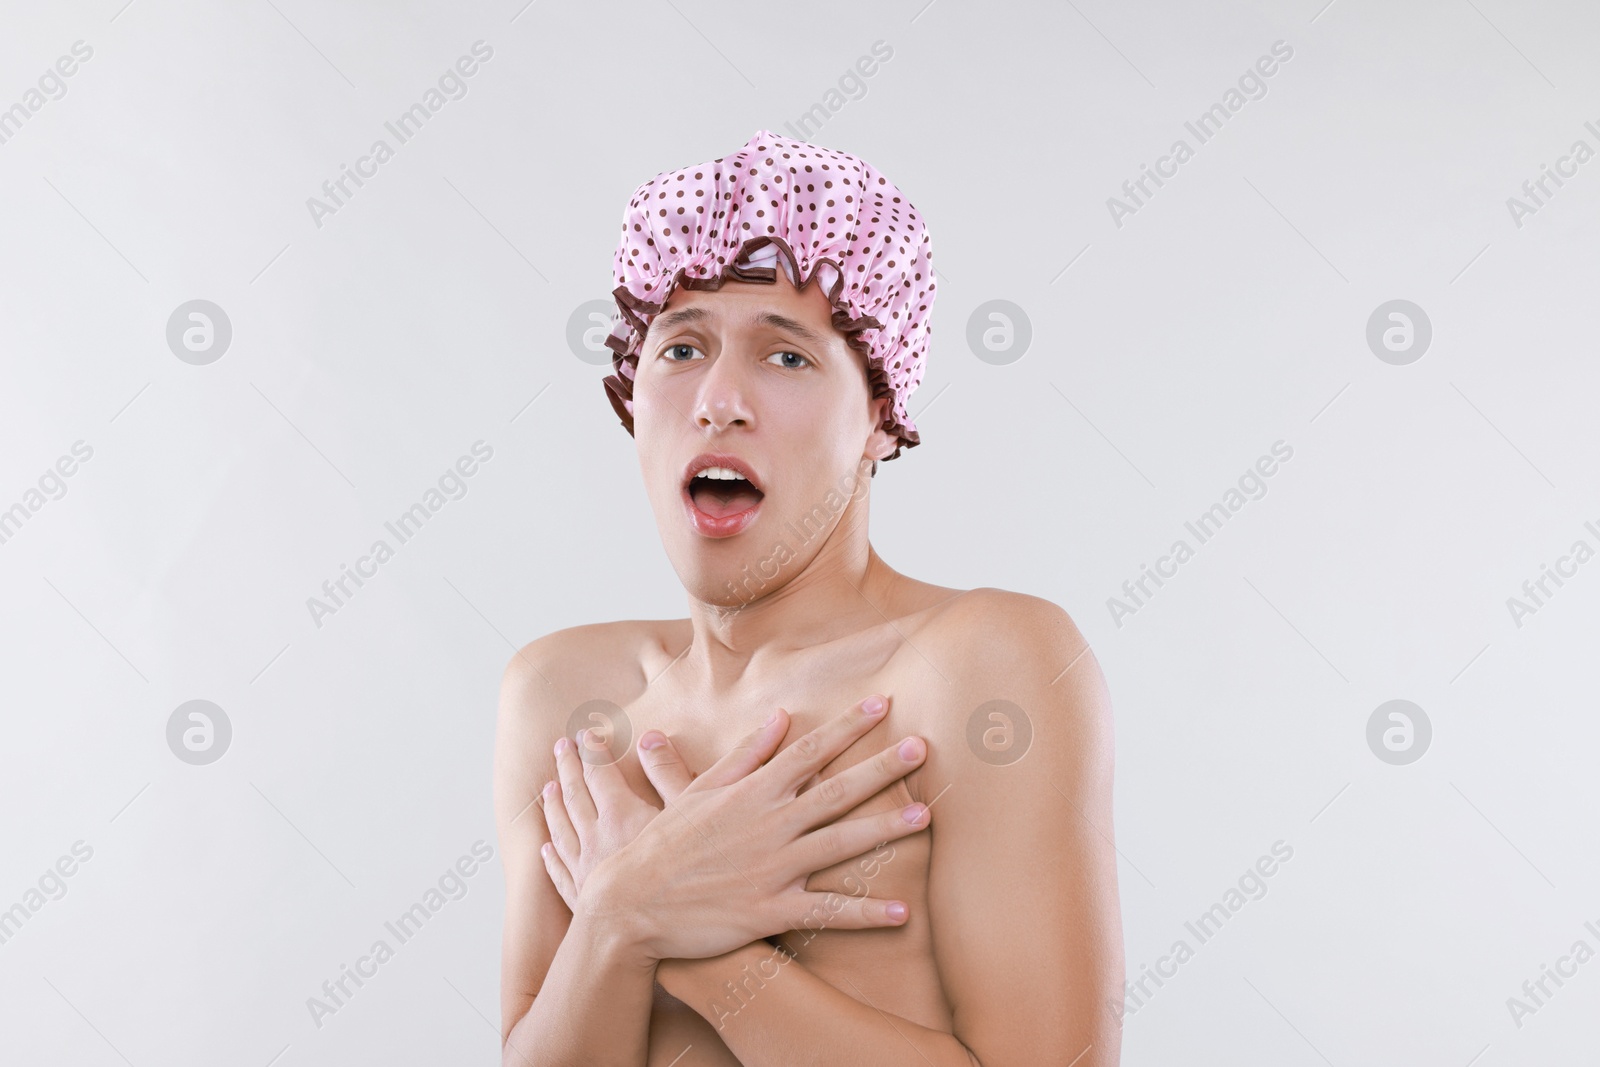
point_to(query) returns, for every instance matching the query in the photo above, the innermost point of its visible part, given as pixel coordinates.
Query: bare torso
(892, 969)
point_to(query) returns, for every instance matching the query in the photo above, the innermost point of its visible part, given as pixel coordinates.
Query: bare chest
(703, 734)
(892, 967)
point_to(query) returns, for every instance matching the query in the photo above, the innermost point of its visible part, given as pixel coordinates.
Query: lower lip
(711, 526)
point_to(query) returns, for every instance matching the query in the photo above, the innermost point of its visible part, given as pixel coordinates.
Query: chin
(723, 584)
(732, 571)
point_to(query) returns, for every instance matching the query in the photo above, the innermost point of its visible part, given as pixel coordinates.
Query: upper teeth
(722, 473)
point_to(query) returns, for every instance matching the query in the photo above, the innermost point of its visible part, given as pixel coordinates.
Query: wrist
(697, 981)
(609, 922)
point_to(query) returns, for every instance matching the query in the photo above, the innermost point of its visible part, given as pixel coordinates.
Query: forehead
(774, 304)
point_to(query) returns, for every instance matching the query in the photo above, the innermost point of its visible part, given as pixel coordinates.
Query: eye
(670, 352)
(792, 366)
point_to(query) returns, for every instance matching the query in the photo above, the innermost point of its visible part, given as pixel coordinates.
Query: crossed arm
(1022, 894)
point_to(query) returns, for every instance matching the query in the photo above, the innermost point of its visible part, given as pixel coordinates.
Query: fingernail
(913, 814)
(771, 719)
(652, 740)
(897, 911)
(562, 745)
(549, 789)
(544, 850)
(873, 706)
(908, 749)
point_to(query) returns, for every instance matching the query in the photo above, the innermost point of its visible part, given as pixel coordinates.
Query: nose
(722, 402)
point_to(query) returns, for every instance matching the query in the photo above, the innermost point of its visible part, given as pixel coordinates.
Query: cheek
(655, 408)
(816, 410)
(652, 443)
(664, 402)
(821, 446)
(813, 431)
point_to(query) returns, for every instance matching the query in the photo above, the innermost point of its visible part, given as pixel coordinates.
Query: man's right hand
(726, 862)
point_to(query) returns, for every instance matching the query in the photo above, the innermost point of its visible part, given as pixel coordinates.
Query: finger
(663, 765)
(569, 768)
(560, 877)
(839, 841)
(608, 789)
(816, 749)
(843, 791)
(750, 752)
(838, 911)
(563, 835)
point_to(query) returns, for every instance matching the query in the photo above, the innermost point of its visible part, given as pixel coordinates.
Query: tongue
(721, 499)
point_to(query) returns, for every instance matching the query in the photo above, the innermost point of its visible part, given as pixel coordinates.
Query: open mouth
(721, 495)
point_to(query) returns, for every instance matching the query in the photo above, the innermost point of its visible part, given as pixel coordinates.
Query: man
(743, 864)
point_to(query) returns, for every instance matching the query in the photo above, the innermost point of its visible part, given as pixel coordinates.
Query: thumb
(662, 765)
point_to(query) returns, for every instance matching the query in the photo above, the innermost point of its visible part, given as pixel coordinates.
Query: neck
(832, 595)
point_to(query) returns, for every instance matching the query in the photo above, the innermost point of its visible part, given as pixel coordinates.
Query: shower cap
(817, 213)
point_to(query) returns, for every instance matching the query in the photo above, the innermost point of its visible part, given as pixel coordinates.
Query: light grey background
(431, 311)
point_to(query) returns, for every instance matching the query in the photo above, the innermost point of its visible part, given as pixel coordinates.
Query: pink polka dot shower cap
(817, 213)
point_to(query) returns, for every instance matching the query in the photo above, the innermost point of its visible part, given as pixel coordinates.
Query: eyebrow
(783, 322)
(682, 316)
(673, 319)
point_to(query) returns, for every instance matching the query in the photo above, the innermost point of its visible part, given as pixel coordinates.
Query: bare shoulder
(549, 679)
(990, 632)
(1016, 670)
(598, 658)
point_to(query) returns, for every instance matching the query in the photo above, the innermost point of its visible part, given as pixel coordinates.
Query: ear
(880, 442)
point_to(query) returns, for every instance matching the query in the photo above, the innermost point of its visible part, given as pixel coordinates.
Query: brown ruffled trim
(619, 387)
